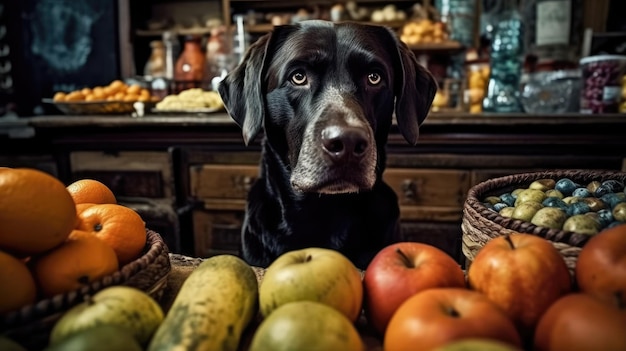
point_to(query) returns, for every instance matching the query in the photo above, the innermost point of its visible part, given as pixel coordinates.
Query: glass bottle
(553, 30)
(191, 65)
(460, 15)
(506, 59)
(219, 57)
(172, 51)
(155, 67)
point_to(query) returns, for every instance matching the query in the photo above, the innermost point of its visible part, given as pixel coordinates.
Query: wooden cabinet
(200, 167)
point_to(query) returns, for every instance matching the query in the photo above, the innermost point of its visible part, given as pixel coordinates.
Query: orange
(37, 212)
(119, 226)
(80, 208)
(80, 260)
(18, 286)
(91, 191)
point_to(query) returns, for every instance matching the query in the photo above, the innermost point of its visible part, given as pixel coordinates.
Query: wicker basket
(81, 108)
(32, 324)
(481, 224)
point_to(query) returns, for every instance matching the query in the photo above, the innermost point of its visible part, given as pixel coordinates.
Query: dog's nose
(342, 142)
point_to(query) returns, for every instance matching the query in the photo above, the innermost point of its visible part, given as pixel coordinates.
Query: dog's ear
(415, 91)
(242, 90)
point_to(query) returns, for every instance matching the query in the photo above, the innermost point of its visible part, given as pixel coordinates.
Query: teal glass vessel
(507, 59)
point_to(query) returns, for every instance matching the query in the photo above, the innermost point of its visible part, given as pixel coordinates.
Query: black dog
(324, 95)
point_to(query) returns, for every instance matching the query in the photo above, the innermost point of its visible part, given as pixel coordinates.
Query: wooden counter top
(222, 118)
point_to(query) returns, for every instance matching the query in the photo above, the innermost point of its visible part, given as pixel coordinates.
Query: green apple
(98, 338)
(306, 325)
(477, 344)
(312, 274)
(121, 306)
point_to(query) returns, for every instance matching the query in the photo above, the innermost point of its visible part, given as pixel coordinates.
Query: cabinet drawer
(131, 174)
(217, 232)
(222, 181)
(425, 194)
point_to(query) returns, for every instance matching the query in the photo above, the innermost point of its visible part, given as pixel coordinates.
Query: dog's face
(325, 94)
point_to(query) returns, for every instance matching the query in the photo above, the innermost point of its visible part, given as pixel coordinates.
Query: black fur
(324, 95)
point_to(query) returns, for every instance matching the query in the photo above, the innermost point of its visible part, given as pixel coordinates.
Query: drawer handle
(410, 189)
(244, 182)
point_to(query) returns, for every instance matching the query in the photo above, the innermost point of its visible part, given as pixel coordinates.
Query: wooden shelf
(266, 27)
(447, 47)
(178, 31)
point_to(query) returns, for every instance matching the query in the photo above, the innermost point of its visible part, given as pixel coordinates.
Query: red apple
(601, 264)
(523, 274)
(581, 322)
(438, 316)
(401, 270)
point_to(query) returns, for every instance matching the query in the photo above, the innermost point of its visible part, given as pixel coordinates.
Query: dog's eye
(374, 78)
(299, 78)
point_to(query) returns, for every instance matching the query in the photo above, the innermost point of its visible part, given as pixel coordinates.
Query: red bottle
(191, 65)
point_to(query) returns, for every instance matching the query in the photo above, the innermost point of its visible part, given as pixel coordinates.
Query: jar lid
(589, 59)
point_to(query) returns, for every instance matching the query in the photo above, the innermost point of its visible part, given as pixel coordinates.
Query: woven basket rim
(49, 307)
(481, 190)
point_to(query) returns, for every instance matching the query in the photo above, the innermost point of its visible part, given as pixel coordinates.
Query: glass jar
(550, 91)
(191, 65)
(506, 60)
(155, 67)
(219, 57)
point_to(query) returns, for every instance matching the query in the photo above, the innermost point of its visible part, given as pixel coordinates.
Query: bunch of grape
(602, 89)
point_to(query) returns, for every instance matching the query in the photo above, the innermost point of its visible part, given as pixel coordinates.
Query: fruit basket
(97, 107)
(31, 324)
(480, 224)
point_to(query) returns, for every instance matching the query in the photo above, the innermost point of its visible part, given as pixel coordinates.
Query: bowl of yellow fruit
(115, 98)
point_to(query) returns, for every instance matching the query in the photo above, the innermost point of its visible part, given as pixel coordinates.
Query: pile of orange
(56, 238)
(117, 90)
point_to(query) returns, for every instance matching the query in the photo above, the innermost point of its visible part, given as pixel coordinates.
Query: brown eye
(299, 78)
(374, 78)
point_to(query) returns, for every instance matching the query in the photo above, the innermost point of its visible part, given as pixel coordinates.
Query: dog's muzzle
(338, 155)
